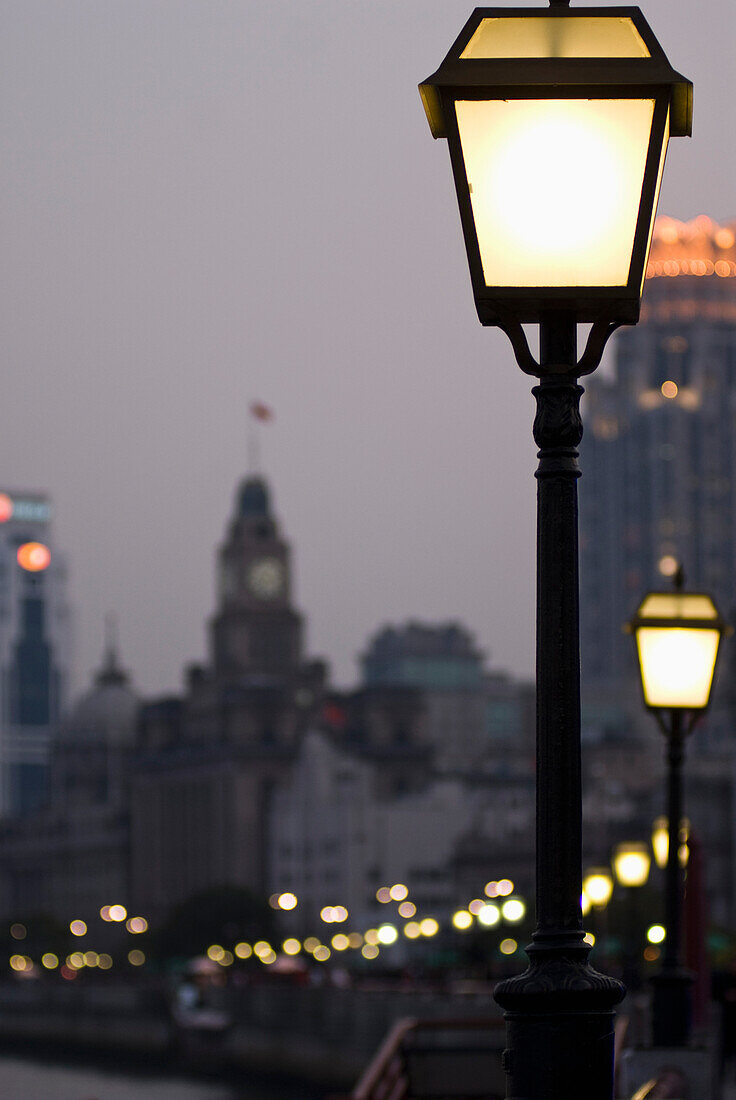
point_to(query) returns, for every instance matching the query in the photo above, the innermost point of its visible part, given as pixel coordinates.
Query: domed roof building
(106, 712)
(72, 857)
(91, 758)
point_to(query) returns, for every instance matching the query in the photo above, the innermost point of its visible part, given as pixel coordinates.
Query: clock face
(266, 578)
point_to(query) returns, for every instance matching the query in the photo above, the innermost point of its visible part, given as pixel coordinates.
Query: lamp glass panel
(677, 665)
(660, 173)
(545, 36)
(555, 187)
(677, 605)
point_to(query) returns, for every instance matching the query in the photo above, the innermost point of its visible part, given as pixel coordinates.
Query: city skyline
(206, 209)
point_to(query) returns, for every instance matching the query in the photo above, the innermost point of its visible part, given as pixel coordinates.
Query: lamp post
(557, 123)
(678, 636)
(631, 863)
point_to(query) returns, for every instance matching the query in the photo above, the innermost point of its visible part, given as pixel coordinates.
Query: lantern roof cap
(693, 610)
(520, 51)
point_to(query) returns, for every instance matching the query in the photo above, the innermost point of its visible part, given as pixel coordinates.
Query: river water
(22, 1079)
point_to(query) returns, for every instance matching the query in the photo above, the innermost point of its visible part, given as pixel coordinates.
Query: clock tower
(255, 629)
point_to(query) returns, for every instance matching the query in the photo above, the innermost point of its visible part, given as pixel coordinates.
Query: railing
(385, 1078)
(437, 1060)
(669, 1085)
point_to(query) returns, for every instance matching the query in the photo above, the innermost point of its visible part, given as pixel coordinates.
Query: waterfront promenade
(322, 1037)
(305, 1041)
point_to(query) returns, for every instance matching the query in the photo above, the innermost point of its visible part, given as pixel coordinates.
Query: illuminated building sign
(24, 508)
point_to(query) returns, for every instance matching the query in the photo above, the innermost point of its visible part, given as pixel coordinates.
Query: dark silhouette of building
(208, 762)
(71, 857)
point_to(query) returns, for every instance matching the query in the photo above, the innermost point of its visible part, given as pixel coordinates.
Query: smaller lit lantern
(598, 887)
(631, 863)
(678, 635)
(661, 841)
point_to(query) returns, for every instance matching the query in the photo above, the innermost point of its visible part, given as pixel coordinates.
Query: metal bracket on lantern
(598, 337)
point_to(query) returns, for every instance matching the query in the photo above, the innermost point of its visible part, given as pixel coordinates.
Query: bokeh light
(34, 557)
(513, 910)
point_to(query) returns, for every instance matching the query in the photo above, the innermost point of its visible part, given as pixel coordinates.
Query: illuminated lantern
(598, 887)
(631, 863)
(678, 635)
(557, 122)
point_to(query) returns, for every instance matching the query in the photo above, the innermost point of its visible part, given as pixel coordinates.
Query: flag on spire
(259, 411)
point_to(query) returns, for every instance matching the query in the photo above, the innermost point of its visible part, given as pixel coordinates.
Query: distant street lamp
(678, 636)
(598, 886)
(631, 864)
(661, 842)
(557, 124)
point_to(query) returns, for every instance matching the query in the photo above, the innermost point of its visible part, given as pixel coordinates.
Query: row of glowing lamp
(77, 960)
(631, 864)
(369, 942)
(111, 913)
(486, 913)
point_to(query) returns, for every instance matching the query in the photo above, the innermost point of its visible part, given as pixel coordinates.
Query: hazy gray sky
(211, 201)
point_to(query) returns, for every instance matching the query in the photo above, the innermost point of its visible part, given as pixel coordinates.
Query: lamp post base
(671, 1008)
(559, 1028)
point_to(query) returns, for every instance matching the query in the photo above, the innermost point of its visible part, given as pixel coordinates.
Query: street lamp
(598, 887)
(631, 864)
(557, 124)
(678, 636)
(661, 842)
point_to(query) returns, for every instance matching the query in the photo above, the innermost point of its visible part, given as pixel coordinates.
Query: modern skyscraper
(658, 489)
(34, 648)
(659, 454)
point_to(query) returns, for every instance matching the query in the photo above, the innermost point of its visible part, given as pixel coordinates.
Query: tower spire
(111, 672)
